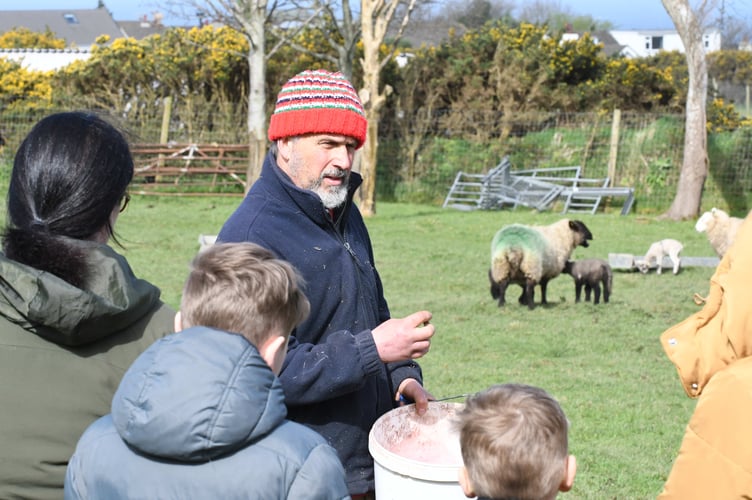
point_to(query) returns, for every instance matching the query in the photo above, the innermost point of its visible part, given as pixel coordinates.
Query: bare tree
(376, 16)
(694, 169)
(248, 17)
(542, 11)
(734, 30)
(334, 19)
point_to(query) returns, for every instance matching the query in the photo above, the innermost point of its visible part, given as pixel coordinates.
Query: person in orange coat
(711, 350)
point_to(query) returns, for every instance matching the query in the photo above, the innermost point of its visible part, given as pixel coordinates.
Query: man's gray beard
(332, 197)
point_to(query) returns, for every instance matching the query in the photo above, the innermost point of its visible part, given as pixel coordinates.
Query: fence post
(166, 112)
(614, 147)
(165, 129)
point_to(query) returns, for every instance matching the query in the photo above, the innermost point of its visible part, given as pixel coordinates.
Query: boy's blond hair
(243, 288)
(514, 442)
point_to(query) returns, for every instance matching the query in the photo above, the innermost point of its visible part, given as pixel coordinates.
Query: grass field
(603, 363)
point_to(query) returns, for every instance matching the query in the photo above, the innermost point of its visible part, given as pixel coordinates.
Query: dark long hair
(68, 175)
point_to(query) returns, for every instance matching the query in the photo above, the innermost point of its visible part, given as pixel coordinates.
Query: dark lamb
(591, 274)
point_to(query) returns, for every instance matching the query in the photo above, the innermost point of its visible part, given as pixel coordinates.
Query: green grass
(603, 363)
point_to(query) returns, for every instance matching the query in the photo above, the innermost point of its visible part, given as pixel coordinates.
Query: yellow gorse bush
(22, 89)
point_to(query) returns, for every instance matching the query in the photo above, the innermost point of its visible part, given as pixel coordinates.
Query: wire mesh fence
(418, 159)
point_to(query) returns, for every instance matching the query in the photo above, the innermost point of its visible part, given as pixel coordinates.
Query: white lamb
(206, 240)
(720, 228)
(656, 252)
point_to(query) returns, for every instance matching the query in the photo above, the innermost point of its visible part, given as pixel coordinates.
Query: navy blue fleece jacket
(333, 378)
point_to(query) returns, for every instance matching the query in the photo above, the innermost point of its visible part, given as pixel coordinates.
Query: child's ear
(571, 470)
(273, 350)
(178, 322)
(467, 487)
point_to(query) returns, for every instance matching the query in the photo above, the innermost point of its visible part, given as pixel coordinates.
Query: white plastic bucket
(417, 456)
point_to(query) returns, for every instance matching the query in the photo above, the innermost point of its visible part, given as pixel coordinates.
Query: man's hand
(400, 339)
(412, 391)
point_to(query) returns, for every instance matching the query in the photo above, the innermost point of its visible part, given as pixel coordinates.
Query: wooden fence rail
(190, 168)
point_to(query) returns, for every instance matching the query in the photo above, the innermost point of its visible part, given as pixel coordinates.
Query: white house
(645, 43)
(44, 59)
(80, 28)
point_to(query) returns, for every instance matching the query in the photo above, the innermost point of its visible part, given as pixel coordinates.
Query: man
(348, 363)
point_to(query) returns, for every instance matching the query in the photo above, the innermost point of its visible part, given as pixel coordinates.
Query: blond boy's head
(243, 288)
(514, 444)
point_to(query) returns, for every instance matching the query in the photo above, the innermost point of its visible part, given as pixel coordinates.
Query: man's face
(320, 163)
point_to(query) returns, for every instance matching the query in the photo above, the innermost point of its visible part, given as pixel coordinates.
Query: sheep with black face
(532, 255)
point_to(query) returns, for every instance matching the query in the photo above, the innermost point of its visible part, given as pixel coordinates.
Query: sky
(633, 14)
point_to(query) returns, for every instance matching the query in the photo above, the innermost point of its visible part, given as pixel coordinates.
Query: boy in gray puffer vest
(201, 414)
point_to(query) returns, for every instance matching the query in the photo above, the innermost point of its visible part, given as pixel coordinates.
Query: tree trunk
(375, 16)
(694, 168)
(248, 17)
(257, 91)
(370, 96)
(368, 168)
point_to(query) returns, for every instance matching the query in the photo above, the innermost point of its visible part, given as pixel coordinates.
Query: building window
(70, 18)
(657, 42)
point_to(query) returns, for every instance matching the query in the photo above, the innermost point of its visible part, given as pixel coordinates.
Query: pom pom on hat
(318, 102)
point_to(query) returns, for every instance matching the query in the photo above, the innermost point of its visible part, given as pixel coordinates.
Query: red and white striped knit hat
(318, 102)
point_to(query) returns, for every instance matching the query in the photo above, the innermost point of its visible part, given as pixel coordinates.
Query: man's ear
(178, 322)
(571, 470)
(467, 487)
(283, 148)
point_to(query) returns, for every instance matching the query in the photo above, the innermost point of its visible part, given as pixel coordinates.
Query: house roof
(141, 29)
(610, 46)
(78, 27)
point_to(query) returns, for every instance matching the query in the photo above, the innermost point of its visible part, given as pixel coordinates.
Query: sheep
(657, 251)
(205, 241)
(720, 228)
(530, 255)
(496, 290)
(591, 273)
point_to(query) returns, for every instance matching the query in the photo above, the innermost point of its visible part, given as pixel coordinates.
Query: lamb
(206, 240)
(657, 251)
(591, 273)
(720, 228)
(531, 255)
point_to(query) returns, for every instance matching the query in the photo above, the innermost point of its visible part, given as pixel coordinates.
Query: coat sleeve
(714, 460)
(321, 477)
(721, 332)
(313, 373)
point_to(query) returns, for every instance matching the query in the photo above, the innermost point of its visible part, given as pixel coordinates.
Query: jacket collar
(308, 201)
(112, 300)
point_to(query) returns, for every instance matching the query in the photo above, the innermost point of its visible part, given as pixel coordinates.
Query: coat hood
(197, 395)
(52, 308)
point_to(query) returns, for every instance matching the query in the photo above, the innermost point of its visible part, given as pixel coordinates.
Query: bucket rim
(405, 466)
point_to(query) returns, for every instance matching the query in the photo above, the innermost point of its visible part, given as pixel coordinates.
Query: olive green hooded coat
(63, 351)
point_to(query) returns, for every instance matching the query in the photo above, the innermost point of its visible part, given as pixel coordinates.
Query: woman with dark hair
(73, 316)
